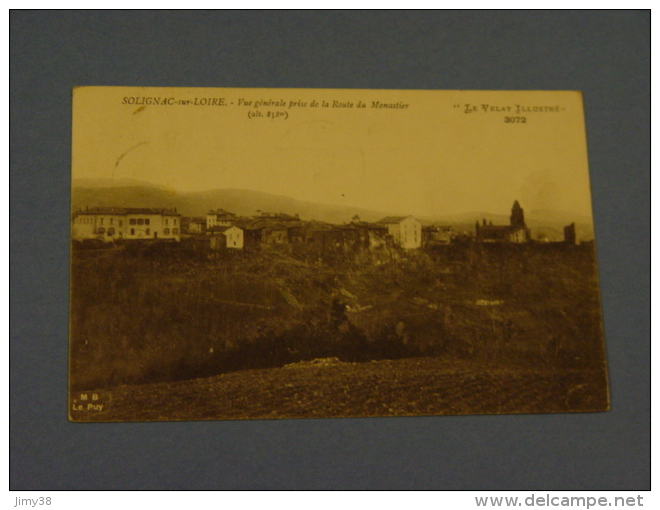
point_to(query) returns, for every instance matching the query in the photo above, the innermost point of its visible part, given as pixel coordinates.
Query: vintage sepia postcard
(315, 253)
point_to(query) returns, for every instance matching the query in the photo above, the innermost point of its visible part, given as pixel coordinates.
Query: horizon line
(147, 184)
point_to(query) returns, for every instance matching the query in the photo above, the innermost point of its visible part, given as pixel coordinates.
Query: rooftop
(394, 219)
(221, 212)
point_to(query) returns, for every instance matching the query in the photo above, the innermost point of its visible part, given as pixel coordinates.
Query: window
(175, 231)
(120, 223)
(111, 231)
(101, 221)
(132, 231)
(131, 221)
(140, 221)
(111, 220)
(101, 230)
(146, 222)
(166, 231)
(165, 221)
(146, 231)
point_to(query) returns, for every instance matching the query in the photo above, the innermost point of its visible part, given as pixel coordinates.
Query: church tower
(517, 215)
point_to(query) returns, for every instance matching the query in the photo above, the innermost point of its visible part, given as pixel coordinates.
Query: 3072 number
(515, 120)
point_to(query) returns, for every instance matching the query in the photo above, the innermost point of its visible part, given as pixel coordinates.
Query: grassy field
(161, 322)
(329, 388)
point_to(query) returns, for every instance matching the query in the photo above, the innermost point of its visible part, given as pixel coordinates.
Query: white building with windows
(234, 237)
(114, 223)
(226, 237)
(406, 231)
(220, 218)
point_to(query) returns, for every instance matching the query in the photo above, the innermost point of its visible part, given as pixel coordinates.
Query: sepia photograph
(243, 253)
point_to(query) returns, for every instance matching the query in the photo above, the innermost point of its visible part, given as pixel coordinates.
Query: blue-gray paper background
(604, 54)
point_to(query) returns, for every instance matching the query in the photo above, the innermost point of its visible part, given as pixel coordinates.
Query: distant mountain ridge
(133, 193)
(122, 182)
(241, 202)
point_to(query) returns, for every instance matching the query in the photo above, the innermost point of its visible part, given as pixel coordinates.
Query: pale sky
(429, 158)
